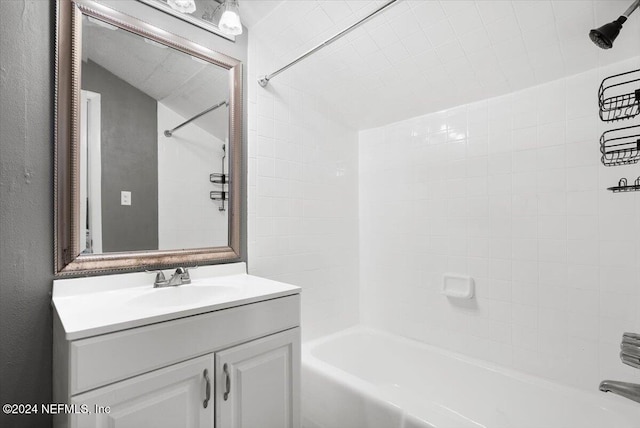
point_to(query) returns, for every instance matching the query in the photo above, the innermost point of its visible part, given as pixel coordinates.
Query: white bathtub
(362, 378)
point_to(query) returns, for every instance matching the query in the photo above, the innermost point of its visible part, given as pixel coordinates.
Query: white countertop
(103, 304)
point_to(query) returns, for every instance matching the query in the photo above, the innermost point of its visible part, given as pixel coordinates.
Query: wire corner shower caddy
(619, 99)
(620, 146)
(222, 180)
(619, 96)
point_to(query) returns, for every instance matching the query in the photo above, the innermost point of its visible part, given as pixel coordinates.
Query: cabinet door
(175, 396)
(258, 383)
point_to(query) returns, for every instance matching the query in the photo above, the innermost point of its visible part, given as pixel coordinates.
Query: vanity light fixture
(230, 20)
(184, 6)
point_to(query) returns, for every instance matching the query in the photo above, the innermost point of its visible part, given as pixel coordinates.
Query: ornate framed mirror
(147, 146)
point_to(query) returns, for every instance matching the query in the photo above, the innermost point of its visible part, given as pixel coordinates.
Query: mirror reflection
(154, 139)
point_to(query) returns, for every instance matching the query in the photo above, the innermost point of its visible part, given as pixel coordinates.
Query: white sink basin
(183, 295)
(103, 304)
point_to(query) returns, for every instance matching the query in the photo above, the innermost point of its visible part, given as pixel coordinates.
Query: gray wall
(26, 202)
(129, 149)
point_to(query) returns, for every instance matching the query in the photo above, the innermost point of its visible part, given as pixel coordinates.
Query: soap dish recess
(458, 286)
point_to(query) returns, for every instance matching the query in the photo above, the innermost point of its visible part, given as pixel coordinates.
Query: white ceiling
(183, 84)
(253, 11)
(422, 56)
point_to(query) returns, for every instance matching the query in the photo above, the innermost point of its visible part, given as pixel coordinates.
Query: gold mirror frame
(68, 260)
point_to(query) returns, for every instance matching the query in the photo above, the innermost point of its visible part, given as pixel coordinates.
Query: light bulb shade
(230, 20)
(184, 6)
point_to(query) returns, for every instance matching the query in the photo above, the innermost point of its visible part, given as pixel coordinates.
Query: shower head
(604, 36)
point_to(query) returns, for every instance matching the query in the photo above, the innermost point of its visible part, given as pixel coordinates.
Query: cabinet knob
(205, 403)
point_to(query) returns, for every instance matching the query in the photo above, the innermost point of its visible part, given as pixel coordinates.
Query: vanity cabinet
(245, 358)
(258, 383)
(257, 387)
(171, 397)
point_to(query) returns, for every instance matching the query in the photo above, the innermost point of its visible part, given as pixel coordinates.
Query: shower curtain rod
(169, 132)
(264, 80)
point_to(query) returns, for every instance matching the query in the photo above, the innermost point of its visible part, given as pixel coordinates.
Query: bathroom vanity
(223, 351)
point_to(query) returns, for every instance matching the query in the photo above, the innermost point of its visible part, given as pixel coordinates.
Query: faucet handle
(160, 278)
(184, 273)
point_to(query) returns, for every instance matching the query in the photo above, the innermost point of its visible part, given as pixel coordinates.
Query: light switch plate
(125, 197)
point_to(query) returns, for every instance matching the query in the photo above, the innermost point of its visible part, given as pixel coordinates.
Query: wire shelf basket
(620, 146)
(623, 186)
(619, 96)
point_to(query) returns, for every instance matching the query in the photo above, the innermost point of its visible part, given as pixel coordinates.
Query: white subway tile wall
(508, 190)
(303, 203)
(511, 191)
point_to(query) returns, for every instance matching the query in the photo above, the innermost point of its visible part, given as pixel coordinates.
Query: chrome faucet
(630, 355)
(179, 277)
(623, 389)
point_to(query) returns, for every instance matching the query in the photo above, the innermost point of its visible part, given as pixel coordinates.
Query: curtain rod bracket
(263, 81)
